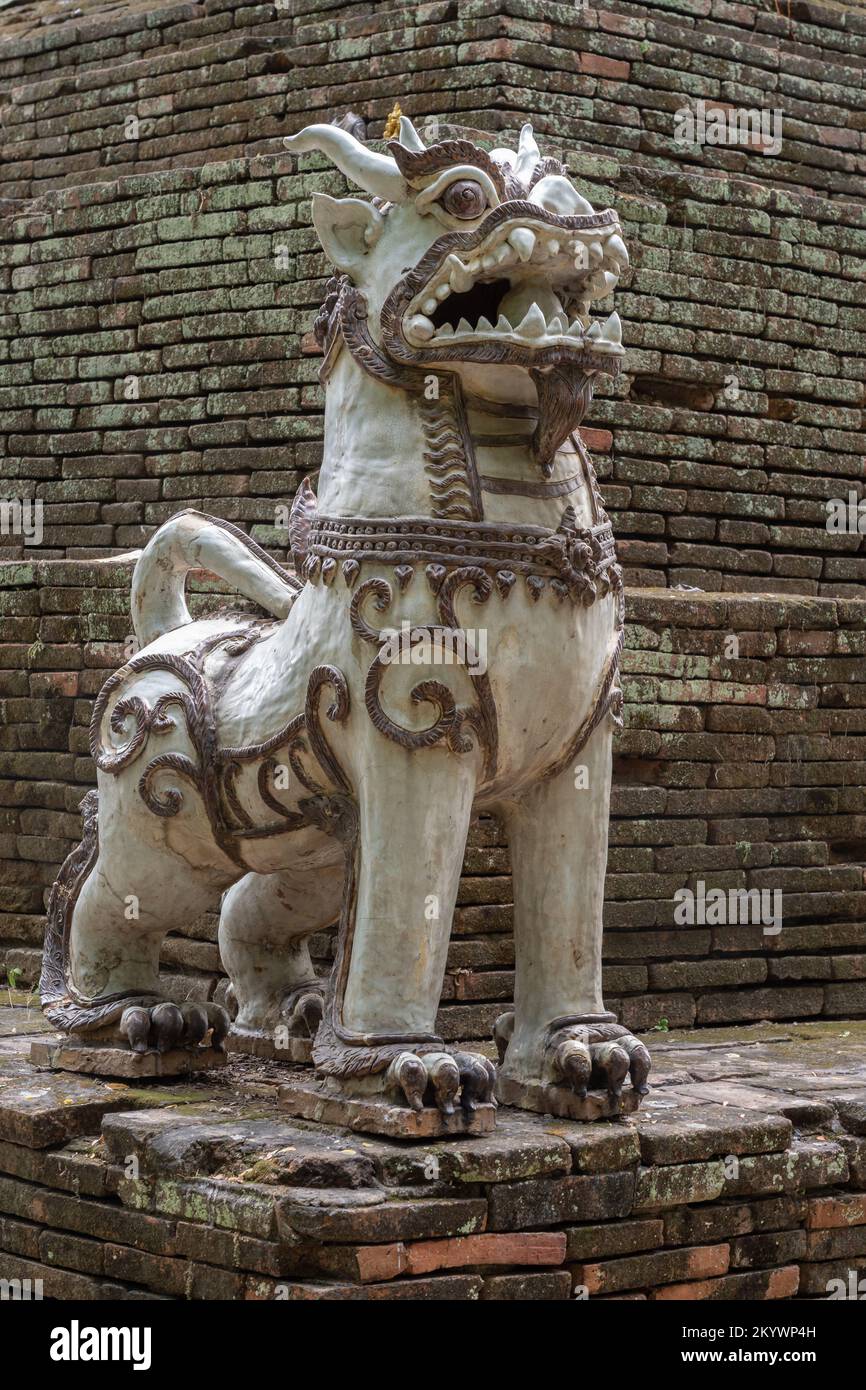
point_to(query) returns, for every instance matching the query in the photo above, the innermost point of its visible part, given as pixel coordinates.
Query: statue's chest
(512, 625)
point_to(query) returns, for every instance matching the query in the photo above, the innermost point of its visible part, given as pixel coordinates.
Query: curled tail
(191, 541)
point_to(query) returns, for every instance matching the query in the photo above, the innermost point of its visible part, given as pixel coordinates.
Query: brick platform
(736, 1181)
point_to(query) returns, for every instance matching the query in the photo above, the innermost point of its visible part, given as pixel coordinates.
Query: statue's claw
(640, 1063)
(477, 1079)
(609, 1068)
(219, 1021)
(301, 1011)
(195, 1023)
(135, 1026)
(410, 1074)
(502, 1031)
(437, 1078)
(444, 1076)
(166, 1026)
(572, 1062)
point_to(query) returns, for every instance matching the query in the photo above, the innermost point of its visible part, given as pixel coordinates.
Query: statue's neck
(440, 452)
(373, 456)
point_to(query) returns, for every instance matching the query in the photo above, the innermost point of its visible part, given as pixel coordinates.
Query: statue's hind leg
(265, 924)
(116, 898)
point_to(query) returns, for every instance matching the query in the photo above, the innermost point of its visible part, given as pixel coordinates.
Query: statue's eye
(464, 198)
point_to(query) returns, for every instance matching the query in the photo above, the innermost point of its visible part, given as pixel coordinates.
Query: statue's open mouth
(517, 289)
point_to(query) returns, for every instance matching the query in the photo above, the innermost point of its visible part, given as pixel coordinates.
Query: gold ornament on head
(392, 125)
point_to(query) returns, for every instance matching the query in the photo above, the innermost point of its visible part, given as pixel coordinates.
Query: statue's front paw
(438, 1078)
(598, 1057)
(165, 1027)
(575, 1069)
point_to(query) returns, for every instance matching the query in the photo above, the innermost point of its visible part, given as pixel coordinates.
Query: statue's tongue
(523, 295)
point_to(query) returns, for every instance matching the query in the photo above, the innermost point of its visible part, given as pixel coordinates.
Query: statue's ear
(347, 228)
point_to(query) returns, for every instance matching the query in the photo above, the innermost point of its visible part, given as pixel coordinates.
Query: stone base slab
(233, 1198)
(560, 1101)
(61, 1054)
(313, 1100)
(299, 1050)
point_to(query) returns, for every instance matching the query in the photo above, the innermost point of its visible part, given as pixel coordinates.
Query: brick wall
(199, 285)
(746, 281)
(741, 772)
(226, 76)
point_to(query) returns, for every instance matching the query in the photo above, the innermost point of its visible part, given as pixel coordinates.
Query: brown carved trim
(483, 719)
(508, 411)
(500, 441)
(450, 719)
(256, 550)
(338, 711)
(214, 771)
(584, 560)
(515, 487)
(548, 165)
(350, 319)
(418, 165)
(300, 521)
(449, 456)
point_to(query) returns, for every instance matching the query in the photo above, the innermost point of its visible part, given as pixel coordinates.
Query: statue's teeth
(430, 306)
(503, 253)
(523, 241)
(553, 247)
(484, 325)
(533, 324)
(558, 324)
(576, 329)
(596, 253)
(474, 266)
(488, 261)
(442, 291)
(502, 325)
(610, 280)
(616, 248)
(464, 327)
(611, 331)
(459, 278)
(446, 331)
(420, 327)
(594, 330)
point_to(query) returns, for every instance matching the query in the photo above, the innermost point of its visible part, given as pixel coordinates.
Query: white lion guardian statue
(450, 645)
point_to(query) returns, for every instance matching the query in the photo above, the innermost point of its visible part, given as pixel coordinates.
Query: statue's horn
(376, 173)
(409, 137)
(528, 154)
